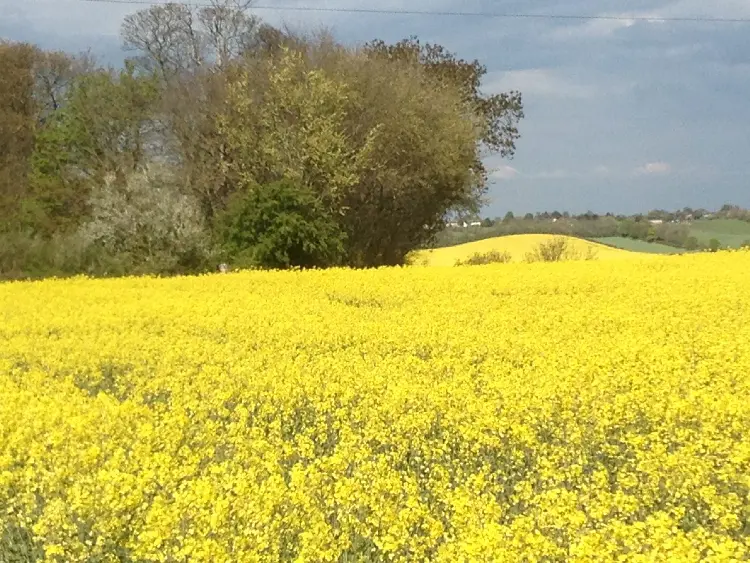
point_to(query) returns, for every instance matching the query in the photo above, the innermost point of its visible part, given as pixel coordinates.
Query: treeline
(223, 139)
(589, 226)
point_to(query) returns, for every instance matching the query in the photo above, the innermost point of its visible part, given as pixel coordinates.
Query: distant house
(453, 224)
(656, 221)
(475, 224)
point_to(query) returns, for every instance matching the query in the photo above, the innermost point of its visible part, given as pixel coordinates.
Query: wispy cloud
(503, 172)
(653, 168)
(540, 82)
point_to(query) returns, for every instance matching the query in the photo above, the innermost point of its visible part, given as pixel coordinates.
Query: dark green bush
(279, 225)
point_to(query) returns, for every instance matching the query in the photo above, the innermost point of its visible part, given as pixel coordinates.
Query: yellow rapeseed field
(580, 411)
(518, 246)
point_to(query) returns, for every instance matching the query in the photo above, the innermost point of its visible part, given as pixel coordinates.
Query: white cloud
(653, 168)
(678, 9)
(557, 174)
(592, 28)
(503, 172)
(600, 170)
(539, 82)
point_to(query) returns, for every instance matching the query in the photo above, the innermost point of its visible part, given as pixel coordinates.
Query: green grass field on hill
(636, 245)
(729, 232)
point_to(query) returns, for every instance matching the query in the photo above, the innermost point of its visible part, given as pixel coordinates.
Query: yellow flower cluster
(580, 411)
(518, 247)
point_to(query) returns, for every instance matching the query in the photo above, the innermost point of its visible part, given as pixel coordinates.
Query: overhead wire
(449, 13)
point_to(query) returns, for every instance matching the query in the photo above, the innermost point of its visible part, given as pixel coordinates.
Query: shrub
(559, 249)
(28, 255)
(148, 223)
(691, 243)
(491, 257)
(280, 225)
(714, 245)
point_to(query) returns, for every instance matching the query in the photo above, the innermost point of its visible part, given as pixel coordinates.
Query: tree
(487, 222)
(18, 112)
(280, 225)
(508, 217)
(714, 245)
(528, 217)
(193, 50)
(499, 114)
(54, 73)
(174, 38)
(147, 222)
(387, 148)
(105, 127)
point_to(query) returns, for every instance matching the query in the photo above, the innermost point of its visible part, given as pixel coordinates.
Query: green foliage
(102, 130)
(280, 225)
(387, 149)
(691, 243)
(17, 127)
(368, 149)
(714, 244)
(28, 255)
(491, 257)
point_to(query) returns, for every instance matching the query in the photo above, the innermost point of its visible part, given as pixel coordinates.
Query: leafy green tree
(508, 217)
(714, 245)
(691, 243)
(279, 225)
(104, 128)
(18, 111)
(388, 150)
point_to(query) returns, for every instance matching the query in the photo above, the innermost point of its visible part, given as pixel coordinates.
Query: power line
(447, 13)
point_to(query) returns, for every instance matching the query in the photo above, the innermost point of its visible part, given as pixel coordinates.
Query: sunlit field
(517, 246)
(577, 411)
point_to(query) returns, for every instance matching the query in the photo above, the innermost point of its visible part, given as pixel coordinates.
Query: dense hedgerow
(578, 411)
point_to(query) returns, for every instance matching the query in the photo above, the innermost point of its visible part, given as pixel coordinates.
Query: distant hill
(636, 245)
(517, 246)
(729, 232)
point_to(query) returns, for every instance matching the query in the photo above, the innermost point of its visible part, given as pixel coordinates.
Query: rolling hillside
(517, 246)
(636, 245)
(730, 232)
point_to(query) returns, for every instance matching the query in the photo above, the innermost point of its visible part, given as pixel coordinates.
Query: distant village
(654, 217)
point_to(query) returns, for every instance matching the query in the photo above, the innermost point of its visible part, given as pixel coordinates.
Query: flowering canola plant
(581, 411)
(518, 246)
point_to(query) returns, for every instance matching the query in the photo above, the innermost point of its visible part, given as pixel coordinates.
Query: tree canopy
(383, 141)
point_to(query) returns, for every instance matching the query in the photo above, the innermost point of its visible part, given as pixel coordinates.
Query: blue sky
(621, 116)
